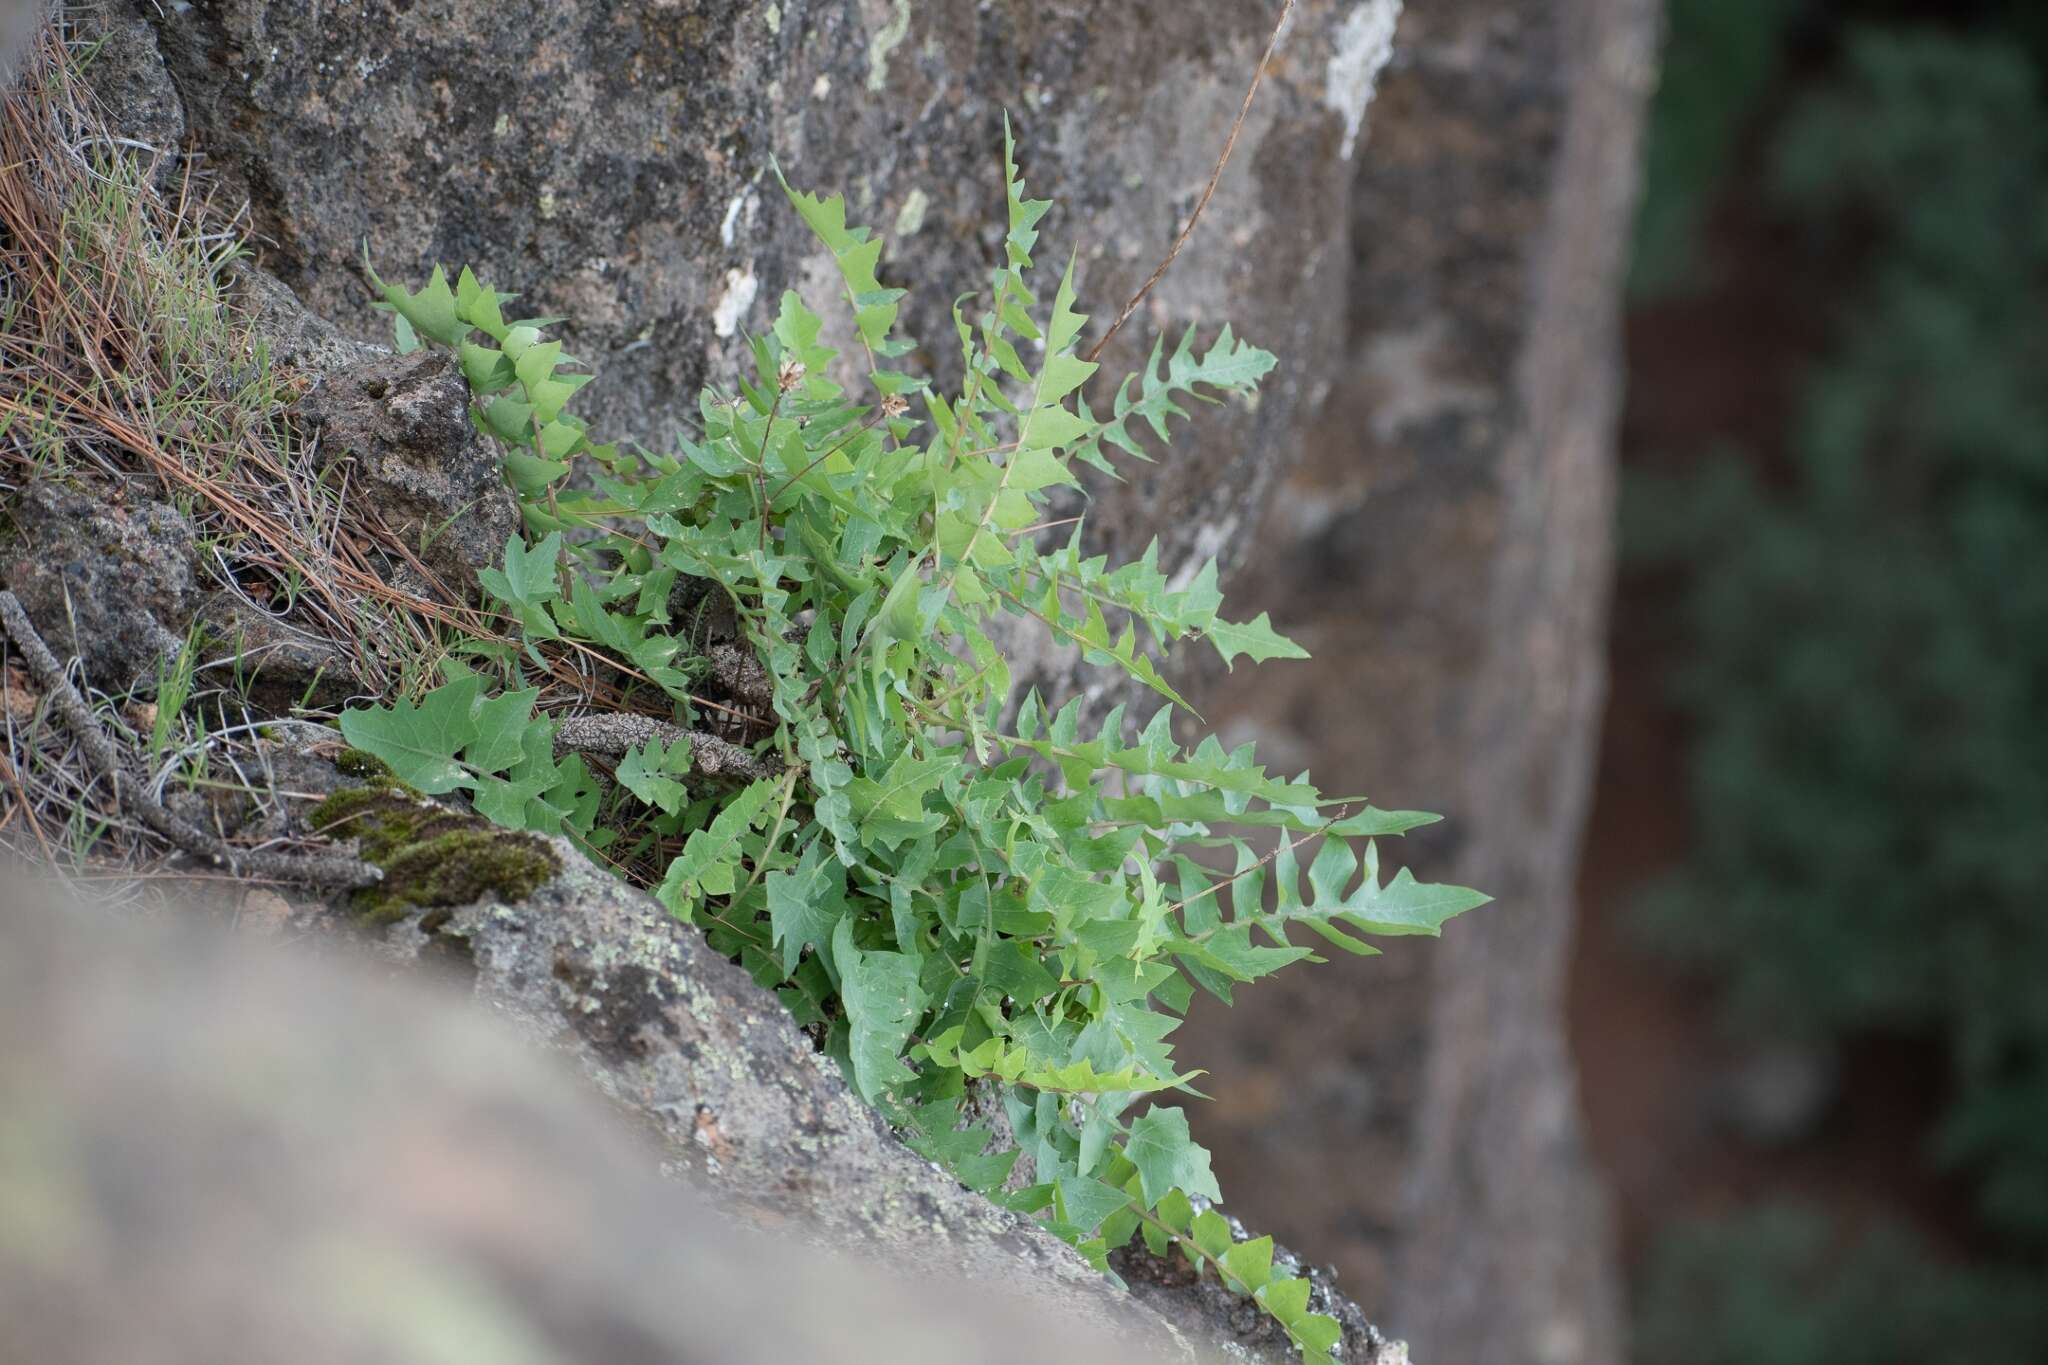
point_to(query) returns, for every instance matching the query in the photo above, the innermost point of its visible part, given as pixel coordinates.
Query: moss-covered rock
(431, 855)
(363, 764)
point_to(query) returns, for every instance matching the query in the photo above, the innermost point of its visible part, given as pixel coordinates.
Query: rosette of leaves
(953, 903)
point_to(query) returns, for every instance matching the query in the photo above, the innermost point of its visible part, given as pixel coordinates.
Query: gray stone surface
(402, 423)
(298, 340)
(115, 580)
(113, 583)
(1444, 552)
(127, 77)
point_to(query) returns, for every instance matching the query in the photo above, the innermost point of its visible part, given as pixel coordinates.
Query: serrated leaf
(1315, 1332)
(421, 742)
(528, 582)
(1286, 1300)
(510, 420)
(1168, 1157)
(487, 368)
(1250, 1263)
(430, 312)
(508, 803)
(883, 1003)
(501, 724)
(1254, 639)
(645, 773)
(479, 306)
(1083, 1202)
(1211, 1234)
(570, 802)
(710, 859)
(1230, 365)
(558, 440)
(807, 904)
(531, 476)
(1402, 906)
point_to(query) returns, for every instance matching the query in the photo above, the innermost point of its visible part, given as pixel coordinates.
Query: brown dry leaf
(708, 1134)
(17, 697)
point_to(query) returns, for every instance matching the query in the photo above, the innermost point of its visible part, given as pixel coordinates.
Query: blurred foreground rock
(201, 1132)
(217, 1154)
(740, 1100)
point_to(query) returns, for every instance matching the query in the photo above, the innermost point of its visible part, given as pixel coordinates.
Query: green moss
(363, 764)
(431, 856)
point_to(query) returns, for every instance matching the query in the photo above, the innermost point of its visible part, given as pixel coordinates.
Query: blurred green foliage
(1784, 1286)
(1864, 647)
(1720, 60)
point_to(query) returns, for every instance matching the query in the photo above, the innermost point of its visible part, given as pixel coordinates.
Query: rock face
(127, 75)
(115, 581)
(402, 423)
(1447, 534)
(610, 163)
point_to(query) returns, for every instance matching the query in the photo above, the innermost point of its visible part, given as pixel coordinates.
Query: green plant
(960, 892)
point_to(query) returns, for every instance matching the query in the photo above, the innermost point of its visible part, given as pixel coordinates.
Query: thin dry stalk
(1208, 191)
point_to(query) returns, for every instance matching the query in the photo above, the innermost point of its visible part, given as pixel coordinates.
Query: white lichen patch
(734, 301)
(1365, 43)
(729, 227)
(911, 216)
(1211, 539)
(887, 39)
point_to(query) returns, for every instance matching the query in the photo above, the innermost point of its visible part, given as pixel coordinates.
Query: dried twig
(133, 794)
(613, 733)
(1229, 145)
